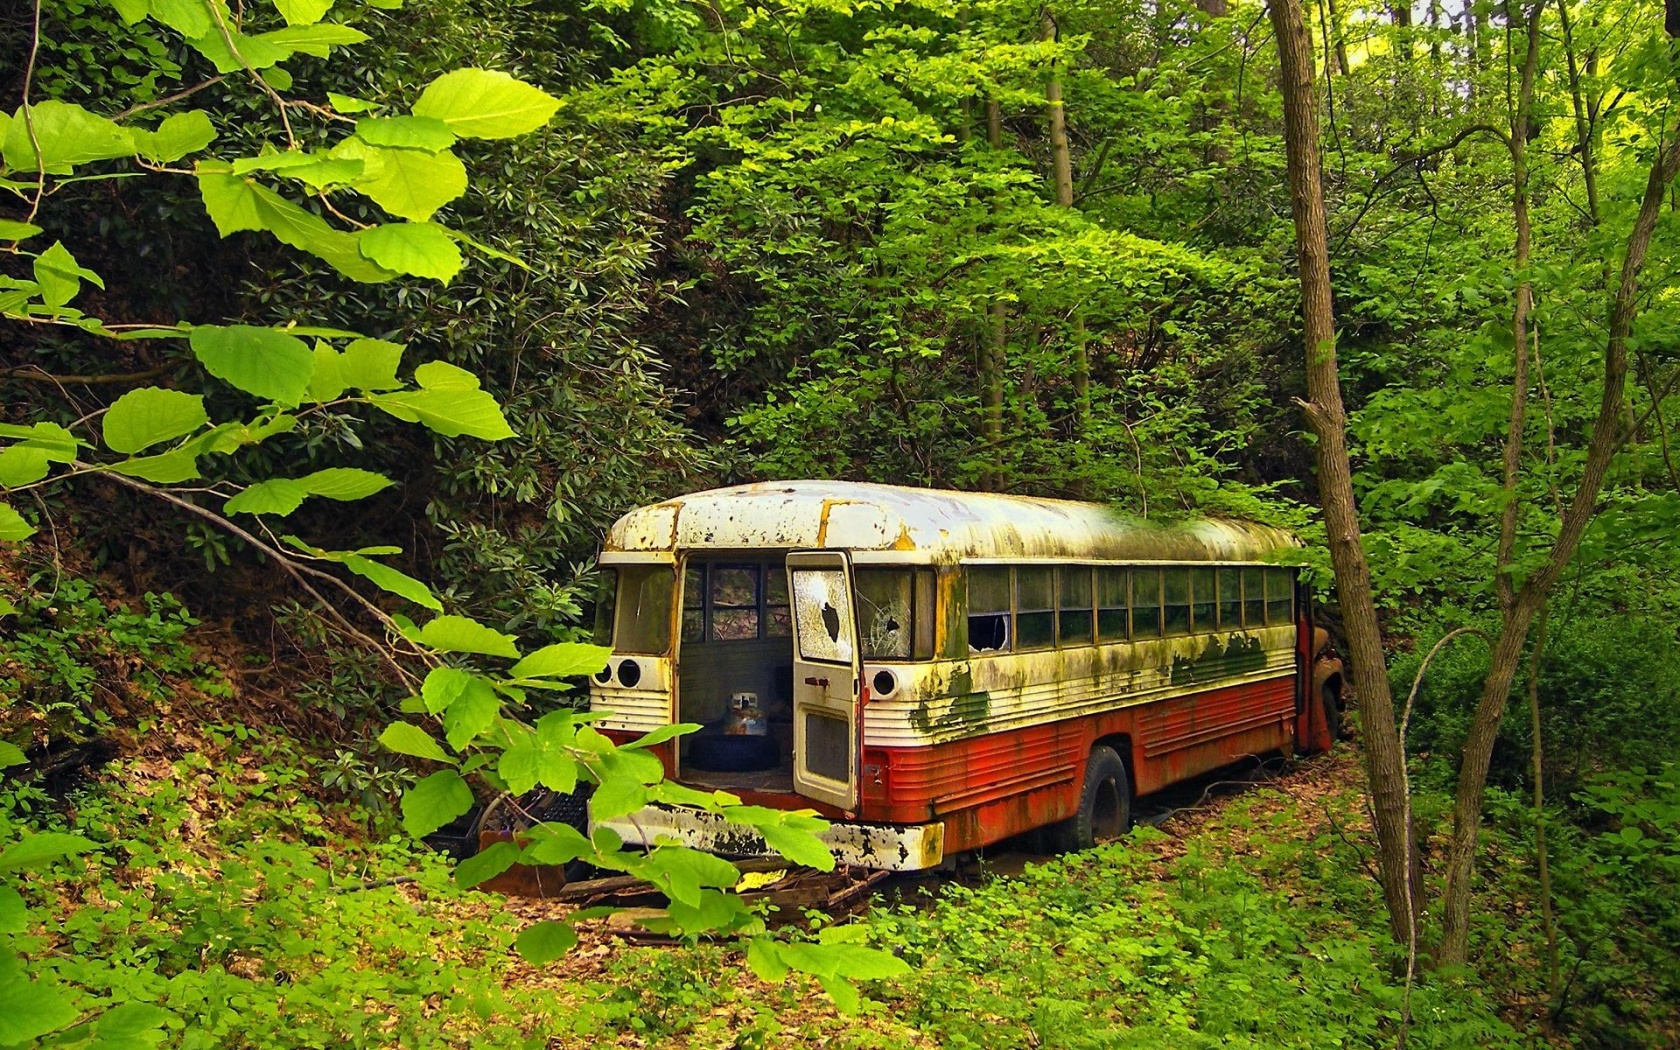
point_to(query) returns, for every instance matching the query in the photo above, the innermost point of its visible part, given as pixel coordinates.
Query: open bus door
(826, 677)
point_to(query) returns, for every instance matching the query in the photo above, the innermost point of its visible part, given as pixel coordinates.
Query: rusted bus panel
(952, 699)
(926, 525)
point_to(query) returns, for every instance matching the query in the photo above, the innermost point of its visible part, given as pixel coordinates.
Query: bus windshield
(640, 610)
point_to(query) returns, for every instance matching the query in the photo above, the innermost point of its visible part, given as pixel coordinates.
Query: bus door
(825, 677)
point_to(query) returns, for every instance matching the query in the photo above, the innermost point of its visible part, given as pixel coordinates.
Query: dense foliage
(317, 314)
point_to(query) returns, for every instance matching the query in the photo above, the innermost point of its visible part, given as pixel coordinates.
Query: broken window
(1073, 605)
(988, 608)
(822, 615)
(895, 613)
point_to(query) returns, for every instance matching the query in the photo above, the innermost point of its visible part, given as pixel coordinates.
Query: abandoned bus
(938, 671)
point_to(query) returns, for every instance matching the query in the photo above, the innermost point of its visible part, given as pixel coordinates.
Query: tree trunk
(1583, 507)
(993, 348)
(1061, 170)
(1328, 418)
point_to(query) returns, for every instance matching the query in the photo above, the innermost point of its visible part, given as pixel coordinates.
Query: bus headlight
(884, 684)
(629, 673)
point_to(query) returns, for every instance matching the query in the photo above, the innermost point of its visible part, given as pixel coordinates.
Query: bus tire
(1105, 805)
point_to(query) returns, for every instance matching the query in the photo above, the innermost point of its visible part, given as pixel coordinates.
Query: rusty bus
(937, 671)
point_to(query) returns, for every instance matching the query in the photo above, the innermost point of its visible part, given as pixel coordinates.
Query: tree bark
(1583, 507)
(993, 346)
(1061, 169)
(1328, 418)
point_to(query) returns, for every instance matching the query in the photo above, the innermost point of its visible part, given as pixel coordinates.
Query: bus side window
(1202, 599)
(1146, 603)
(1111, 604)
(1073, 605)
(1230, 599)
(1254, 597)
(1280, 596)
(1035, 607)
(1175, 600)
(988, 609)
(694, 604)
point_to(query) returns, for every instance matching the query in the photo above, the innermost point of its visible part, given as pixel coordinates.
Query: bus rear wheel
(1105, 805)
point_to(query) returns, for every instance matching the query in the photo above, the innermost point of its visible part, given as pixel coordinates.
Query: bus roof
(895, 523)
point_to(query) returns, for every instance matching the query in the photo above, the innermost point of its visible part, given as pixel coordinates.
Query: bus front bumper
(883, 847)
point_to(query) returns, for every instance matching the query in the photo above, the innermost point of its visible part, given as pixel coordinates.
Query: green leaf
(29, 1009)
(562, 660)
(14, 914)
(545, 942)
(130, 1026)
(59, 275)
(486, 104)
(660, 735)
(144, 417)
(43, 848)
(237, 204)
(58, 443)
(452, 413)
(349, 103)
(424, 133)
(13, 230)
(471, 715)
(555, 843)
(406, 738)
(315, 170)
(168, 468)
(317, 40)
(131, 11)
(252, 51)
(260, 361)
(458, 634)
(616, 797)
(422, 249)
(178, 135)
(303, 12)
(12, 525)
(68, 134)
(22, 465)
(441, 375)
(278, 496)
(543, 756)
(10, 753)
(798, 846)
(434, 802)
(410, 184)
(190, 18)
(443, 686)
(388, 579)
(486, 864)
(344, 484)
(764, 958)
(371, 364)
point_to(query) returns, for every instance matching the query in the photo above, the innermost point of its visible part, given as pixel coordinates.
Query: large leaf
(29, 1009)
(68, 135)
(144, 417)
(487, 863)
(58, 443)
(458, 634)
(434, 802)
(130, 1026)
(345, 484)
(303, 12)
(315, 170)
(405, 738)
(259, 361)
(12, 525)
(388, 579)
(317, 40)
(190, 18)
(22, 465)
(485, 104)
(545, 941)
(237, 204)
(43, 848)
(60, 276)
(410, 184)
(14, 914)
(450, 412)
(371, 364)
(13, 230)
(423, 249)
(178, 135)
(166, 468)
(10, 753)
(277, 496)
(562, 660)
(427, 133)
